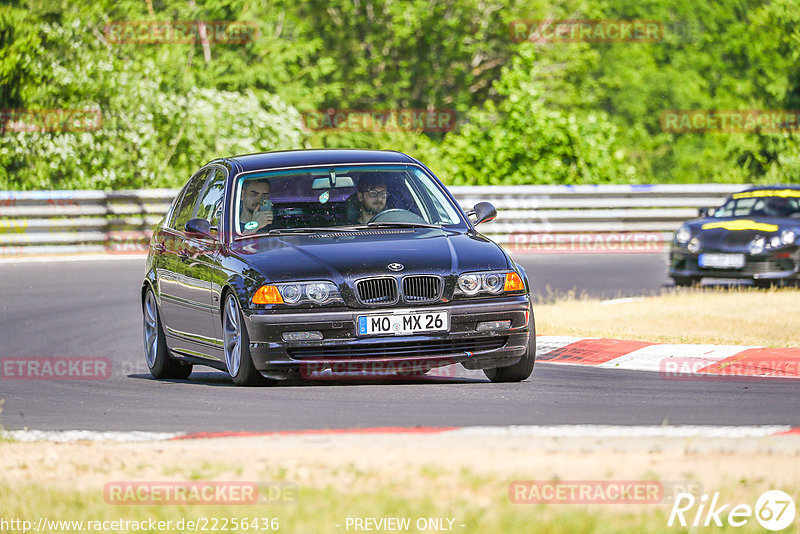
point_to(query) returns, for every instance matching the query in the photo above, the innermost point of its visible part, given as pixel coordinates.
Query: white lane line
(87, 257)
(610, 431)
(85, 435)
(557, 431)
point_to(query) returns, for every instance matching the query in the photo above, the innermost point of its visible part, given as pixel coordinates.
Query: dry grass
(737, 316)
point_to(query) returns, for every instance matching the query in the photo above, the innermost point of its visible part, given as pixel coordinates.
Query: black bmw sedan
(291, 264)
(755, 235)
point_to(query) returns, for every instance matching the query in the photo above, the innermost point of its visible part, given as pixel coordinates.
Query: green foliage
(541, 112)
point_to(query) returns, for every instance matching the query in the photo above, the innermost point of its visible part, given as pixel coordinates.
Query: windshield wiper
(403, 224)
(277, 231)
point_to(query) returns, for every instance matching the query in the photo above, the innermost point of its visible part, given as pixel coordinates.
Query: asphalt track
(91, 308)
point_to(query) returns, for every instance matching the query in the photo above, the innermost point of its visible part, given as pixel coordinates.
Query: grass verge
(735, 316)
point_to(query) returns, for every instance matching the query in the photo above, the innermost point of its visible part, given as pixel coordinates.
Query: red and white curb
(549, 431)
(672, 361)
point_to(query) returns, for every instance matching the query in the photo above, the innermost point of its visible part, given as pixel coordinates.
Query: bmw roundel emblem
(395, 266)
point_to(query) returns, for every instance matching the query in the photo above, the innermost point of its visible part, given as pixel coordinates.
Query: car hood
(733, 234)
(339, 256)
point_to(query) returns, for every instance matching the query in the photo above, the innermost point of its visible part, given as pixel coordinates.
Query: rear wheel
(236, 346)
(520, 370)
(156, 354)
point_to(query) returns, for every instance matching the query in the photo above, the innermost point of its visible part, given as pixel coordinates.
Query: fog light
(314, 335)
(493, 326)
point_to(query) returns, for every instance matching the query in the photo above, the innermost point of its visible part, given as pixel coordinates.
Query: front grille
(402, 349)
(419, 289)
(377, 290)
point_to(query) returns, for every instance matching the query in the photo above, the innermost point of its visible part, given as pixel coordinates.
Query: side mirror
(705, 212)
(199, 227)
(482, 212)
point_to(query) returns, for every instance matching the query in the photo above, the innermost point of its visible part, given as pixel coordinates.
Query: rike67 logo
(774, 510)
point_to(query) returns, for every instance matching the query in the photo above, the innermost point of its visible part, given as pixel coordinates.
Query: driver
(372, 195)
(253, 215)
(778, 207)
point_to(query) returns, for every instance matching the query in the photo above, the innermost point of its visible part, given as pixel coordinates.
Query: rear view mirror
(325, 183)
(706, 212)
(199, 227)
(482, 212)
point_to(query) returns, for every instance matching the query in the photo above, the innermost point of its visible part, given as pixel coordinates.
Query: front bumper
(767, 266)
(340, 344)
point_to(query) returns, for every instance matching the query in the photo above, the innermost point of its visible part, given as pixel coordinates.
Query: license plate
(403, 323)
(721, 261)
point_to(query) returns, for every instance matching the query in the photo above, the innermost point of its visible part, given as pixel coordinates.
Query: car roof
(794, 187)
(296, 158)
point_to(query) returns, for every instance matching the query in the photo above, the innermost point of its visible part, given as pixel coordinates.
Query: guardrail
(94, 221)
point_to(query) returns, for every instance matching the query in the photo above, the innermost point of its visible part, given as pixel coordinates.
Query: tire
(685, 281)
(236, 346)
(520, 370)
(156, 353)
(766, 284)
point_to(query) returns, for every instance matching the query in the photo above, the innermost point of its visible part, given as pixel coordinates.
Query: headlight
(788, 237)
(683, 235)
(491, 283)
(756, 246)
(775, 241)
(694, 245)
(322, 292)
(469, 284)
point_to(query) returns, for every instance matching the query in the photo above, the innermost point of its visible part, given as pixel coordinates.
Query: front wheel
(520, 370)
(236, 346)
(685, 281)
(156, 354)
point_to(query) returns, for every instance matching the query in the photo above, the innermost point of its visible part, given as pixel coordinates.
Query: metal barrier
(94, 221)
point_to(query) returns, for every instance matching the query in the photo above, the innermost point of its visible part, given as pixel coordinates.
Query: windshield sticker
(323, 198)
(251, 225)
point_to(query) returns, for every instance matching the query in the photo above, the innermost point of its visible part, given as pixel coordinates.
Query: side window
(209, 205)
(173, 209)
(185, 209)
(211, 198)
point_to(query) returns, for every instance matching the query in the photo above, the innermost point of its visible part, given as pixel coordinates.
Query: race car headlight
(775, 241)
(683, 235)
(694, 245)
(489, 283)
(321, 292)
(757, 245)
(788, 237)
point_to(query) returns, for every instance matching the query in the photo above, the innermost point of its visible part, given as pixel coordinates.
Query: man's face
(253, 194)
(374, 200)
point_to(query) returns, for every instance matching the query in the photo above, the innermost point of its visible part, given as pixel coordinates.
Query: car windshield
(342, 197)
(754, 205)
